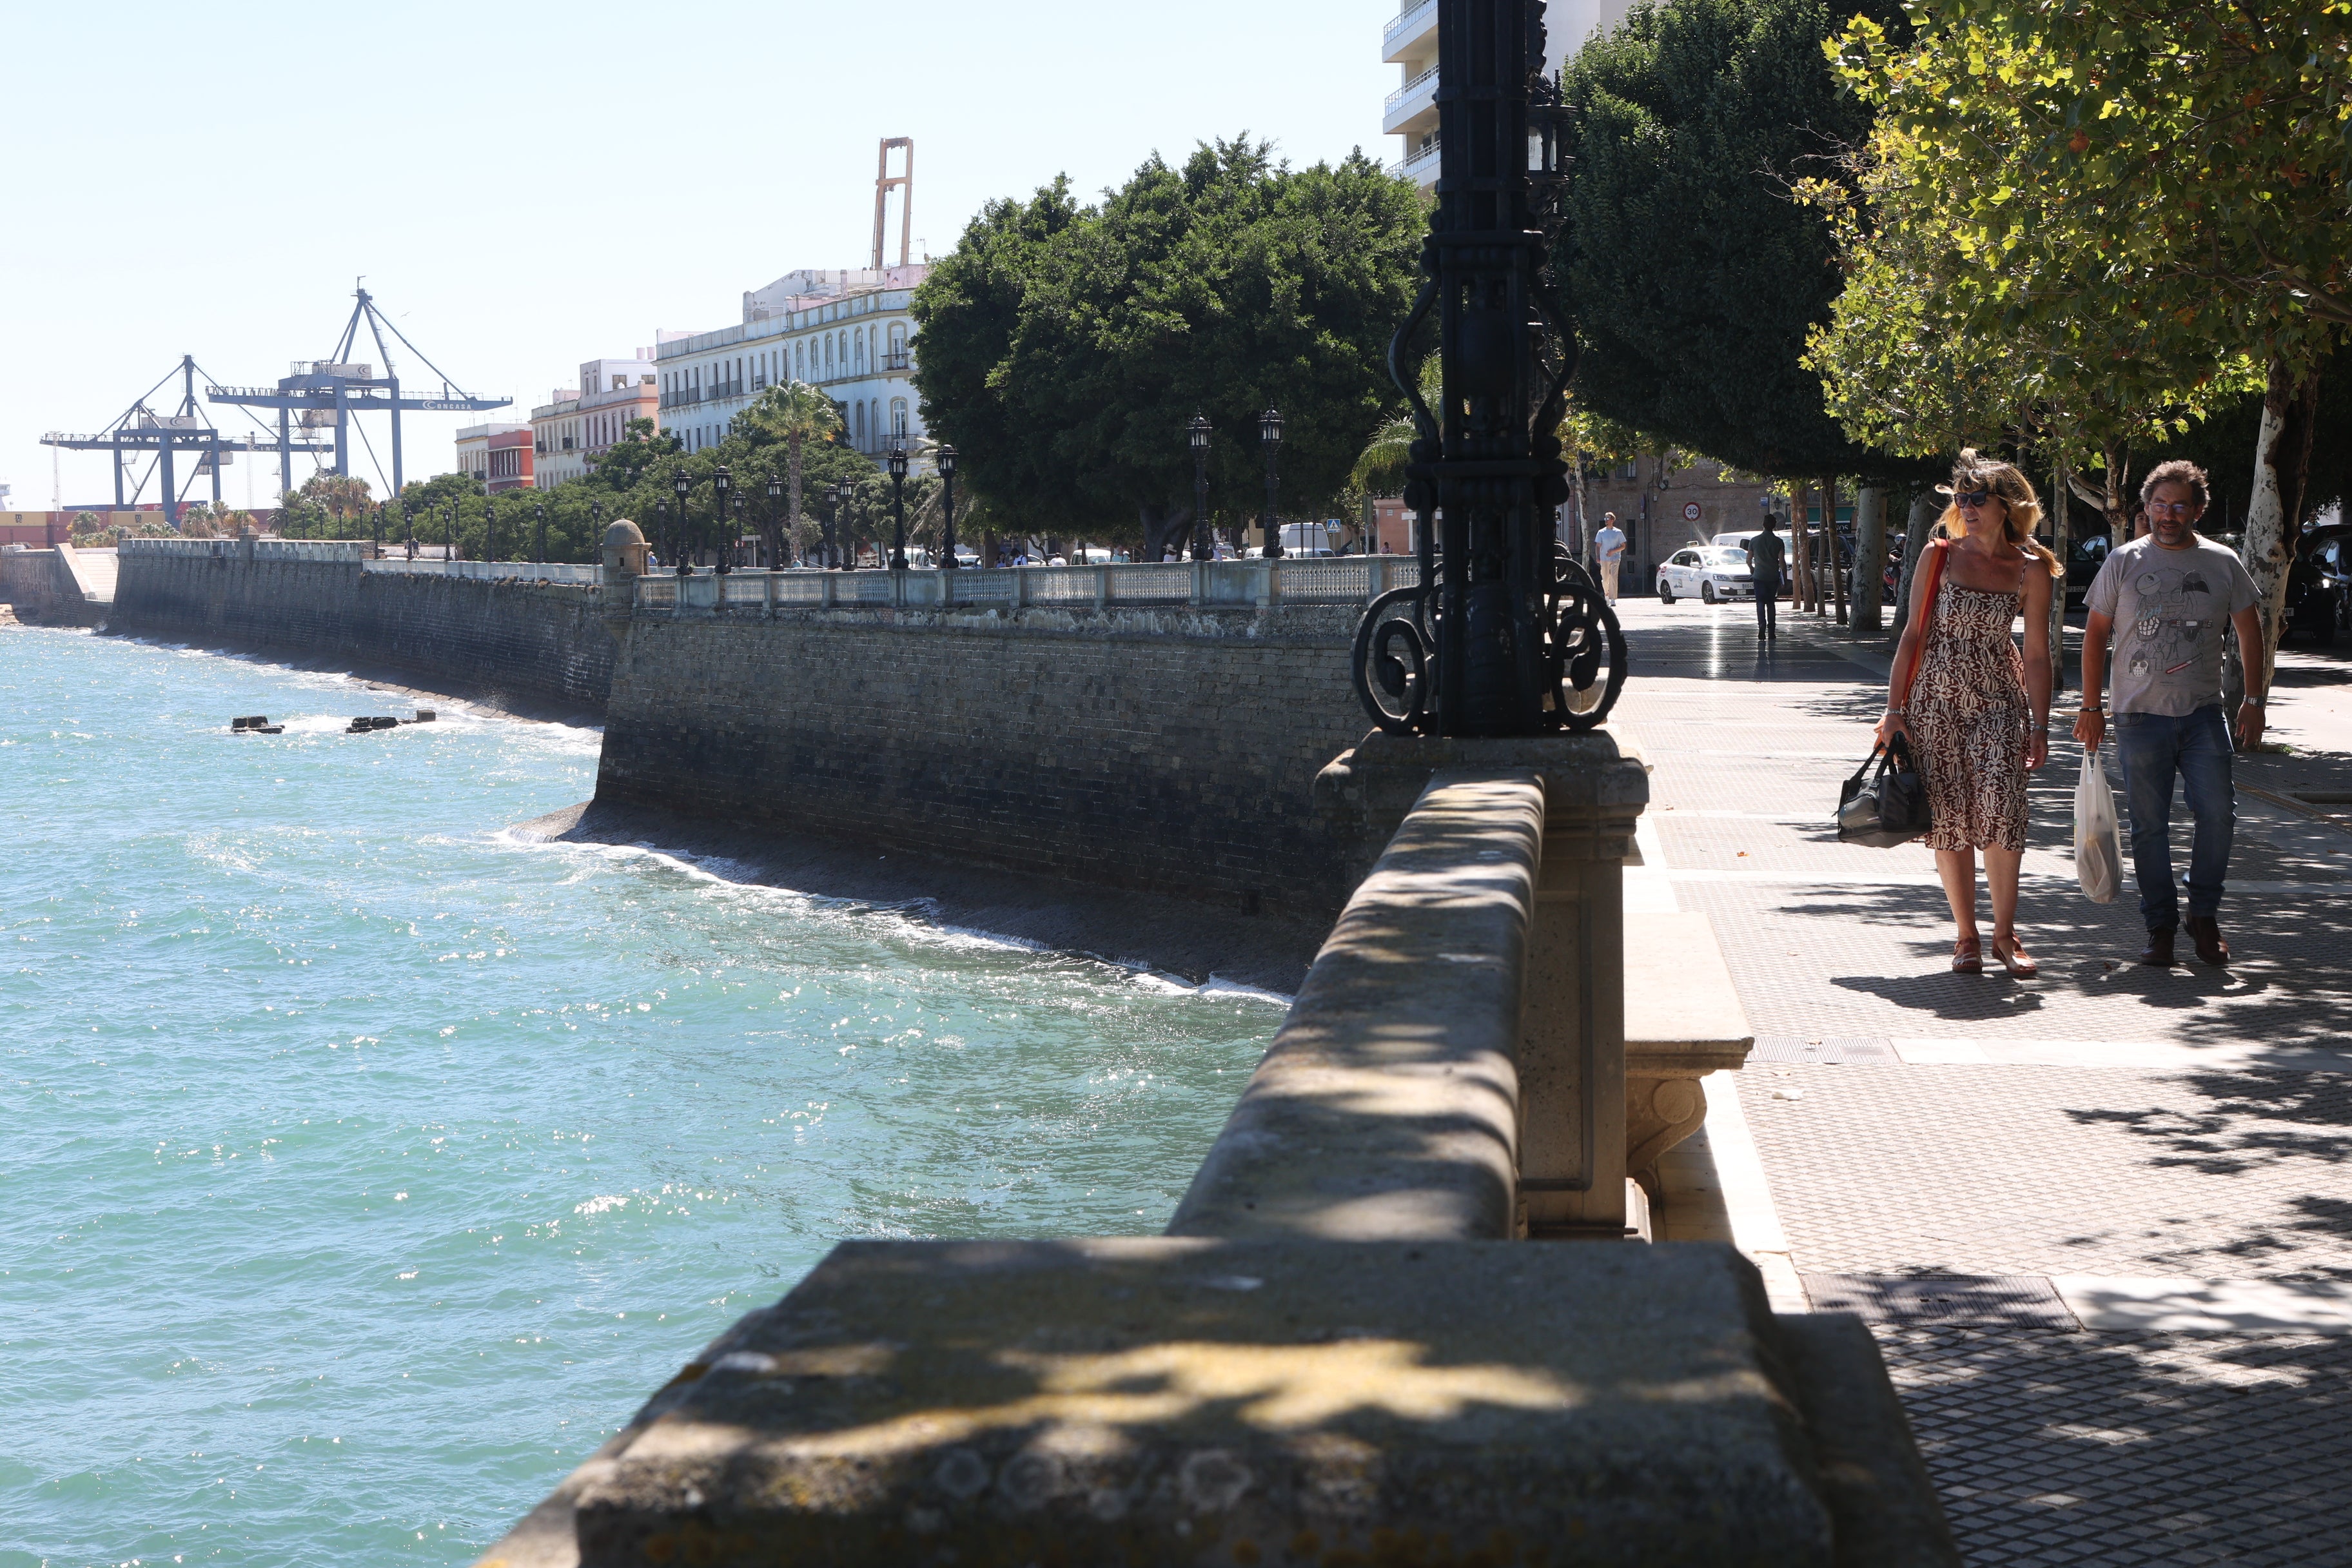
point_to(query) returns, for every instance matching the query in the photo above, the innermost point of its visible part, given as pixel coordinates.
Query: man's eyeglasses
(2171, 509)
(1970, 498)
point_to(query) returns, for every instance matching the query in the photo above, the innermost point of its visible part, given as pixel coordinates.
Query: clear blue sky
(527, 187)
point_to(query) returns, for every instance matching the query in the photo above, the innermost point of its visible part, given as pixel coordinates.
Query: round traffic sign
(1690, 511)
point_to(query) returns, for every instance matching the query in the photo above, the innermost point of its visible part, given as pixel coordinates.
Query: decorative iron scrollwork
(1504, 633)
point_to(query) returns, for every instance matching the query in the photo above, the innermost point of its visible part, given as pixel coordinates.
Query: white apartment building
(848, 332)
(1408, 42)
(570, 430)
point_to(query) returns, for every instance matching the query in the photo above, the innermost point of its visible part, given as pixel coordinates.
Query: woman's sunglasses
(1970, 498)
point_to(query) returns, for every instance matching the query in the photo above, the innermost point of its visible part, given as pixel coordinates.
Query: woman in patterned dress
(1974, 713)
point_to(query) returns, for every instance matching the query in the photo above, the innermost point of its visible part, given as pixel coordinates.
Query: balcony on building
(1411, 35)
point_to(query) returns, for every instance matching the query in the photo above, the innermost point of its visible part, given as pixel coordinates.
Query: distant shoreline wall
(1168, 750)
(510, 642)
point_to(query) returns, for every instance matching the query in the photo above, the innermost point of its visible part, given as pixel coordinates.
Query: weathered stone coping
(1388, 1107)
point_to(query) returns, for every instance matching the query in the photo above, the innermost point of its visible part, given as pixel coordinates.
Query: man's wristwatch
(2252, 701)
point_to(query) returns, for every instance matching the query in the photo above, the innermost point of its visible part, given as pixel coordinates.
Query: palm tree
(792, 412)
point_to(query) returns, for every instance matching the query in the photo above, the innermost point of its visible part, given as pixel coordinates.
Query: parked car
(2320, 587)
(1707, 571)
(2083, 558)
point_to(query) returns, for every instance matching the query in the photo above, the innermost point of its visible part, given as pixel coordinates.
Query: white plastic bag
(2098, 842)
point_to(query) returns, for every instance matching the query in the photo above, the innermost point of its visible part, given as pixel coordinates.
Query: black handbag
(1890, 808)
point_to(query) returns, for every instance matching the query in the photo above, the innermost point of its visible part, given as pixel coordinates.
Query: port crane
(183, 431)
(327, 393)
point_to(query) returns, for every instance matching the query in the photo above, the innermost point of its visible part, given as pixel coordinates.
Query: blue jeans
(2153, 748)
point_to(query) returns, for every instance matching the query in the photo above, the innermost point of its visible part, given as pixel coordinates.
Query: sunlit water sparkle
(366, 1166)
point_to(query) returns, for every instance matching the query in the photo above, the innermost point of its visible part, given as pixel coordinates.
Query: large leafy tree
(1065, 349)
(795, 414)
(1691, 276)
(2178, 171)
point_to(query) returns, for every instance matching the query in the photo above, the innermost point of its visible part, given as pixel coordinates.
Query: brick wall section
(500, 639)
(1173, 753)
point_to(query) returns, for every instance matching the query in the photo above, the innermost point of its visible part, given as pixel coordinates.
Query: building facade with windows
(570, 430)
(1408, 42)
(496, 455)
(848, 332)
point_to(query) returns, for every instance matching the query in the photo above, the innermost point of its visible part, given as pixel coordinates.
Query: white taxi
(1708, 572)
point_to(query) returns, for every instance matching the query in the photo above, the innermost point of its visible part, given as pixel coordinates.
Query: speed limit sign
(1690, 511)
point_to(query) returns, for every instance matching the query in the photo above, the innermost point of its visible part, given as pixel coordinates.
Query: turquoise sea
(364, 1167)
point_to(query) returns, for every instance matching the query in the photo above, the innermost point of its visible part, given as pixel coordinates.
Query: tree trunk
(1830, 545)
(792, 475)
(2275, 515)
(2061, 544)
(1869, 558)
(1924, 513)
(1164, 523)
(1801, 549)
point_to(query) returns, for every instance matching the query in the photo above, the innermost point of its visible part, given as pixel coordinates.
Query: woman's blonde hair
(1976, 472)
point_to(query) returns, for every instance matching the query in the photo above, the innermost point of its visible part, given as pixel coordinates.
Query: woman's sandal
(1968, 956)
(2015, 958)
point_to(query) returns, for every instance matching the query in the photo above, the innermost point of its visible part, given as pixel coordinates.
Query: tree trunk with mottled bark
(2275, 515)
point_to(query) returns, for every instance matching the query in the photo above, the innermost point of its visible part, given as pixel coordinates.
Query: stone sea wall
(513, 643)
(1169, 751)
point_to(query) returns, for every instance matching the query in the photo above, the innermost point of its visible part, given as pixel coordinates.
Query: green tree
(2181, 169)
(1065, 351)
(1691, 276)
(795, 414)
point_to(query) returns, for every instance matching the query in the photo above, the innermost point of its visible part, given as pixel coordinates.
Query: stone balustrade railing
(493, 571)
(1233, 585)
(254, 548)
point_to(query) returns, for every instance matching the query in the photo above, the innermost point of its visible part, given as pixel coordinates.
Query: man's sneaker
(2209, 945)
(2158, 950)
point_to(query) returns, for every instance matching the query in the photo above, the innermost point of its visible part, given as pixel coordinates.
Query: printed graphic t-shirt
(2168, 607)
(1610, 542)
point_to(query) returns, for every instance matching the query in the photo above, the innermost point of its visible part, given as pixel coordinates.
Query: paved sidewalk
(2102, 1221)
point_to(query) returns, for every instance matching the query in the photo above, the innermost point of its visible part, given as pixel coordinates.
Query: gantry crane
(140, 428)
(326, 392)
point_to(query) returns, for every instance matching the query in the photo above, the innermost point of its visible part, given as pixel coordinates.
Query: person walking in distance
(2170, 592)
(1975, 713)
(1609, 548)
(1765, 555)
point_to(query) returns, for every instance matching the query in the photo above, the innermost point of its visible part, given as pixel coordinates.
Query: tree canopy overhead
(1064, 350)
(1690, 273)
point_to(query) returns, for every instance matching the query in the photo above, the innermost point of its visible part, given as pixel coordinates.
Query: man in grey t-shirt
(2163, 600)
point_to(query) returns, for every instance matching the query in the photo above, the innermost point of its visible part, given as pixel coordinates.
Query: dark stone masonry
(1159, 751)
(517, 645)
(1165, 750)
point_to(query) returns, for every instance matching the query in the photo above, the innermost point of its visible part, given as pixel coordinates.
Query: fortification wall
(43, 587)
(1168, 750)
(510, 642)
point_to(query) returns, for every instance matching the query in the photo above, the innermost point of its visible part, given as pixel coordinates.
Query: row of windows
(868, 432)
(846, 351)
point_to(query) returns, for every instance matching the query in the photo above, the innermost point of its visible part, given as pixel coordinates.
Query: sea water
(363, 1167)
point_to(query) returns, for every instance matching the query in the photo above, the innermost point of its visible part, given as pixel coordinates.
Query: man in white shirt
(1609, 549)
(2162, 600)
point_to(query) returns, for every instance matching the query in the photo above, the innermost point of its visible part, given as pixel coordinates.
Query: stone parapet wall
(1171, 751)
(508, 642)
(43, 588)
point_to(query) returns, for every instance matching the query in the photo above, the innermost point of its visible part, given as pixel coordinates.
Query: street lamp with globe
(1198, 431)
(683, 485)
(898, 506)
(945, 459)
(1269, 434)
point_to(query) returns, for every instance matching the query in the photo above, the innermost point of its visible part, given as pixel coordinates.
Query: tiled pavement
(2110, 1121)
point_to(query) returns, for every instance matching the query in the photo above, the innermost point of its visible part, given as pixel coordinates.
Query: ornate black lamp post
(1504, 633)
(946, 459)
(596, 532)
(661, 522)
(684, 486)
(1269, 435)
(1198, 431)
(898, 506)
(450, 532)
(539, 538)
(489, 527)
(722, 485)
(775, 504)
